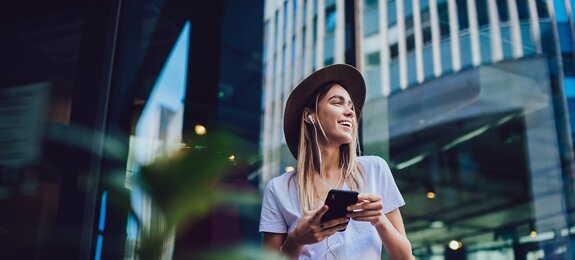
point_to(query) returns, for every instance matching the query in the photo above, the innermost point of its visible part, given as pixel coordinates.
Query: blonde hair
(308, 161)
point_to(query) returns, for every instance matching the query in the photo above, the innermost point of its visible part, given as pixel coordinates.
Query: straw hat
(345, 75)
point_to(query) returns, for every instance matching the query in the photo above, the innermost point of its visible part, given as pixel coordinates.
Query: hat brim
(345, 75)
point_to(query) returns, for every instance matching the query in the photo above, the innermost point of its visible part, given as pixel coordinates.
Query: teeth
(345, 123)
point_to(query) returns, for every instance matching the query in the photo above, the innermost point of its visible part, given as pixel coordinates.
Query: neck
(330, 162)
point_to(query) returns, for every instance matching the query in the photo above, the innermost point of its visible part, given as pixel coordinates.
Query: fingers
(366, 205)
(367, 213)
(334, 222)
(319, 213)
(371, 219)
(368, 197)
(330, 231)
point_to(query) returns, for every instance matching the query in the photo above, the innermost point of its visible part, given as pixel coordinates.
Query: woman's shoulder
(374, 166)
(371, 161)
(280, 180)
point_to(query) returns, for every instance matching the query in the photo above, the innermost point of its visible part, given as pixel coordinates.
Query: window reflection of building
(468, 100)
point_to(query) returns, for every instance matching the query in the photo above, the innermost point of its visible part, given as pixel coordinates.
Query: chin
(346, 140)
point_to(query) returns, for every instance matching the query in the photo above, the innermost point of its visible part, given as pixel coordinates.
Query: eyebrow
(342, 99)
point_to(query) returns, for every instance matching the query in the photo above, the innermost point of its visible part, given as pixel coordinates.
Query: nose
(349, 112)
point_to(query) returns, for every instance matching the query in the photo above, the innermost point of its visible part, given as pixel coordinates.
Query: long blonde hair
(308, 161)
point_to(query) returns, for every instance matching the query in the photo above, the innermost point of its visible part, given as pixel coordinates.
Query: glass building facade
(130, 129)
(469, 101)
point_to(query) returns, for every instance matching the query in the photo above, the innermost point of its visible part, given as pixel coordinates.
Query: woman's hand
(369, 209)
(310, 230)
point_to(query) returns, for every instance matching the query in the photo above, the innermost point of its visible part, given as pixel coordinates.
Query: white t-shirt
(281, 214)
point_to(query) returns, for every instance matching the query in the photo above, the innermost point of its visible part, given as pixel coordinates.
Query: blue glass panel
(391, 13)
(428, 62)
(411, 69)
(373, 81)
(465, 47)
(565, 37)
(506, 42)
(528, 45)
(485, 45)
(394, 76)
(370, 21)
(446, 63)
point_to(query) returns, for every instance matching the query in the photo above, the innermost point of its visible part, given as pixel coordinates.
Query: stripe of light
(516, 41)
(359, 38)
(103, 202)
(339, 55)
(473, 33)
(534, 23)
(99, 243)
(384, 52)
(278, 93)
(298, 45)
(418, 40)
(320, 43)
(401, 44)
(495, 32)
(569, 11)
(454, 35)
(435, 38)
(410, 162)
(288, 79)
(308, 38)
(466, 137)
(268, 91)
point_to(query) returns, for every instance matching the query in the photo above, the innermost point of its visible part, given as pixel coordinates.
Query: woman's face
(337, 116)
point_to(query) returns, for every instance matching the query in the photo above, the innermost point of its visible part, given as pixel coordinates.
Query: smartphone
(338, 200)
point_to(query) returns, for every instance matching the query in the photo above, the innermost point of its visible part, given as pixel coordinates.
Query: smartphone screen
(338, 200)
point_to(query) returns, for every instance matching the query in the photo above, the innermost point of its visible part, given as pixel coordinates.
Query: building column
(435, 38)
(473, 33)
(418, 40)
(494, 32)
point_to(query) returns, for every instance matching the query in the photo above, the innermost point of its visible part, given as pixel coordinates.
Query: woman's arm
(392, 233)
(282, 244)
(273, 241)
(389, 226)
(308, 231)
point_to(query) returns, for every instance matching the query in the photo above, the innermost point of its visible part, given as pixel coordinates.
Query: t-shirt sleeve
(390, 194)
(271, 219)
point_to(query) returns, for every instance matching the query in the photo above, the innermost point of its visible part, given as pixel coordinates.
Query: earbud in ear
(311, 119)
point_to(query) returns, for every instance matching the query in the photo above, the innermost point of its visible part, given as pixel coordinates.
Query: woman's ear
(308, 117)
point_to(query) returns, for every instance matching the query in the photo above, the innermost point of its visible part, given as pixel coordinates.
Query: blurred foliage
(187, 186)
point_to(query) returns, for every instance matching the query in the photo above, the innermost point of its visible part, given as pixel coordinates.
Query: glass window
(482, 13)
(294, 16)
(542, 8)
(393, 51)
(523, 9)
(372, 59)
(462, 15)
(502, 10)
(371, 19)
(394, 76)
(330, 20)
(426, 26)
(391, 13)
(443, 15)
(411, 69)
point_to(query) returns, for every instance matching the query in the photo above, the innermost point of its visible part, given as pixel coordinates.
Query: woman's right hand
(310, 230)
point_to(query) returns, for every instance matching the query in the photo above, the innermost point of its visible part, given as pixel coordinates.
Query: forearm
(396, 245)
(290, 247)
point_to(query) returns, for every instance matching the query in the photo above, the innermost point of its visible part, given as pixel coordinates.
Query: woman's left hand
(369, 209)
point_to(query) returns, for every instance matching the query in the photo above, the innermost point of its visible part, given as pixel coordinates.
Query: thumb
(320, 212)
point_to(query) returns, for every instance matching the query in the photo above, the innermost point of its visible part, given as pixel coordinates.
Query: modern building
(469, 101)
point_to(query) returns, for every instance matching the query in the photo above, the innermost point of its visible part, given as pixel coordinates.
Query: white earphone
(311, 119)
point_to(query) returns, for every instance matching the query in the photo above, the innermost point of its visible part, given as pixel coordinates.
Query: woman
(321, 128)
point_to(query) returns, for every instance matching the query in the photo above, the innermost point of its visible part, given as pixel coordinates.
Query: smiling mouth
(347, 124)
